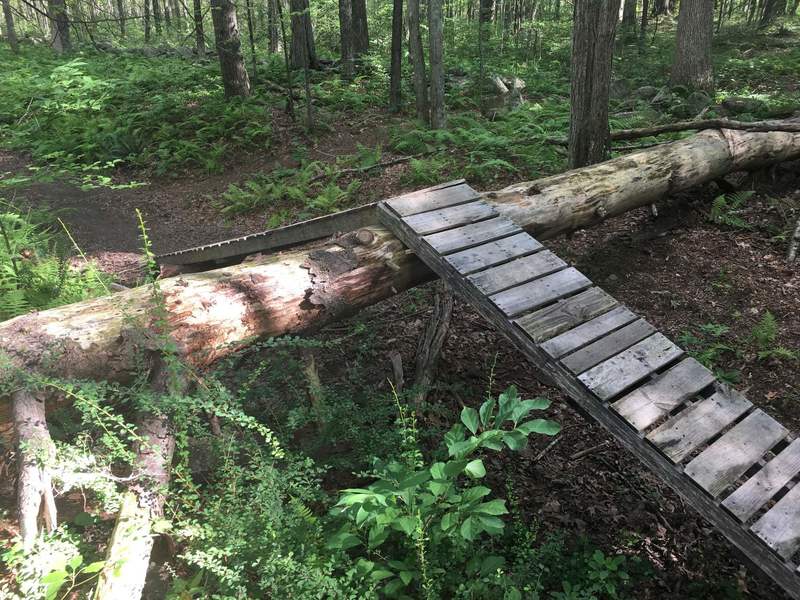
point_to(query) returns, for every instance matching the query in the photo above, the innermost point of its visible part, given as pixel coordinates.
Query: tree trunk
(396, 70)
(121, 17)
(772, 10)
(35, 449)
(157, 16)
(11, 34)
(57, 10)
(252, 39)
(146, 21)
(229, 48)
(592, 49)
(360, 29)
(629, 19)
(643, 25)
(304, 53)
(693, 67)
(212, 314)
(417, 54)
(436, 41)
(199, 34)
(272, 25)
(346, 38)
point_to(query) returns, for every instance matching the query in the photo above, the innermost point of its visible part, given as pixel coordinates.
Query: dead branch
(430, 344)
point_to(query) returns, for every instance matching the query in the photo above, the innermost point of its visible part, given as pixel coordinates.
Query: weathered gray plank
(548, 322)
(447, 218)
(587, 333)
(761, 487)
(612, 376)
(685, 432)
(554, 323)
(723, 462)
(647, 404)
(780, 526)
(539, 292)
(606, 347)
(433, 198)
(493, 253)
(516, 272)
(457, 239)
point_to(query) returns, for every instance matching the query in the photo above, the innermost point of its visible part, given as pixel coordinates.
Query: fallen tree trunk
(764, 126)
(211, 314)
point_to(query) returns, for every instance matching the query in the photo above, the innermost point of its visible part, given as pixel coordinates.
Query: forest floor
(703, 284)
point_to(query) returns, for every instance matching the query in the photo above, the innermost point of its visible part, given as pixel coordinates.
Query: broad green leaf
(405, 524)
(94, 567)
(540, 426)
(493, 525)
(454, 467)
(487, 408)
(343, 540)
(437, 470)
(364, 566)
(53, 582)
(493, 507)
(475, 493)
(464, 448)
(415, 479)
(507, 401)
(380, 574)
(526, 406)
(377, 535)
(467, 529)
(75, 562)
(394, 586)
(515, 440)
(475, 469)
(469, 417)
(439, 488)
(448, 520)
(362, 515)
(407, 576)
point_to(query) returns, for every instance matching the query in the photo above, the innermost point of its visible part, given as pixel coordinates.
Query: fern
(765, 332)
(725, 209)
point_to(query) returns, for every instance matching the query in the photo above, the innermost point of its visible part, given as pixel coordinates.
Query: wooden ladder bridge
(732, 462)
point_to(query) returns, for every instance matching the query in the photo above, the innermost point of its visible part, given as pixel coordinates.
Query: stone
(737, 106)
(646, 92)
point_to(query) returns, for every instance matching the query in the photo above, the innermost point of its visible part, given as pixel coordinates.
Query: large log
(210, 314)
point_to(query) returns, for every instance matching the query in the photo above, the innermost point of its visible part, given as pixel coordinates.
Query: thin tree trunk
(629, 20)
(416, 52)
(199, 35)
(35, 449)
(147, 21)
(592, 50)
(643, 26)
(360, 29)
(289, 92)
(272, 25)
(229, 48)
(57, 9)
(396, 71)
(121, 17)
(251, 37)
(346, 38)
(212, 314)
(693, 67)
(11, 34)
(157, 16)
(436, 41)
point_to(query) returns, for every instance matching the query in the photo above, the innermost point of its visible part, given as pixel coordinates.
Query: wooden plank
(780, 526)
(606, 347)
(493, 253)
(447, 218)
(587, 333)
(772, 565)
(516, 272)
(754, 493)
(723, 462)
(619, 372)
(457, 239)
(549, 322)
(647, 404)
(690, 429)
(539, 292)
(433, 198)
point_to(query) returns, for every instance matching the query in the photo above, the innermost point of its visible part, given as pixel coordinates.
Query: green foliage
(34, 265)
(418, 519)
(726, 209)
(709, 347)
(764, 335)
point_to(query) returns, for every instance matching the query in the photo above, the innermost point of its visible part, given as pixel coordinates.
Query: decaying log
(791, 254)
(430, 344)
(787, 125)
(211, 314)
(35, 451)
(128, 555)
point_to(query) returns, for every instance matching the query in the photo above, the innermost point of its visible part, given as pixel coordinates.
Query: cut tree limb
(35, 450)
(430, 344)
(212, 314)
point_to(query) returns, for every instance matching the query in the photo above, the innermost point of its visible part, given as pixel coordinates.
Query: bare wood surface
(727, 459)
(587, 333)
(493, 253)
(460, 238)
(763, 126)
(566, 314)
(751, 496)
(780, 526)
(517, 271)
(433, 198)
(687, 431)
(447, 218)
(652, 401)
(627, 368)
(606, 347)
(430, 345)
(532, 295)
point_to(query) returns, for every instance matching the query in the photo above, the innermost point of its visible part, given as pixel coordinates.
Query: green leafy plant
(764, 335)
(709, 348)
(726, 209)
(414, 511)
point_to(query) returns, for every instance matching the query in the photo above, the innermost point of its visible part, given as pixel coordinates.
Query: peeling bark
(429, 348)
(35, 449)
